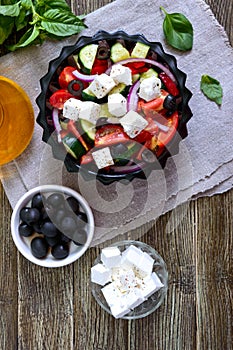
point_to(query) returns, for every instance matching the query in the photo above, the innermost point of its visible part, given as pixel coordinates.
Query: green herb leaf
(43, 18)
(212, 89)
(10, 10)
(6, 26)
(61, 23)
(27, 39)
(178, 30)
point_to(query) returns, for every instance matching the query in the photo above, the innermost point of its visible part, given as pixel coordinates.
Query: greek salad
(114, 104)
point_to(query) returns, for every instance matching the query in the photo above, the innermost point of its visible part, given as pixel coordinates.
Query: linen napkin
(204, 165)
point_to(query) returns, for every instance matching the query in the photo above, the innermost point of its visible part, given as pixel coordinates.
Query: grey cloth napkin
(204, 165)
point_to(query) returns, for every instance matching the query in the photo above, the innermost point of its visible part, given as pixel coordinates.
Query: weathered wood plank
(173, 325)
(45, 307)
(8, 279)
(214, 269)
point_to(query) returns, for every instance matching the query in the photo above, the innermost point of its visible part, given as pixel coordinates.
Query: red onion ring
(84, 77)
(132, 100)
(56, 123)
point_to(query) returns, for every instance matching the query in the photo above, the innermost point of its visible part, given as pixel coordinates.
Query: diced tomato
(59, 97)
(86, 159)
(137, 67)
(165, 137)
(66, 77)
(110, 134)
(148, 108)
(99, 66)
(169, 84)
(146, 134)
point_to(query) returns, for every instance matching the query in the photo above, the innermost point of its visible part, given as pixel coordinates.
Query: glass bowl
(155, 300)
(136, 168)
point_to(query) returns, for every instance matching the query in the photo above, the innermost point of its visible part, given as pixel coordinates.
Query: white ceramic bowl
(155, 300)
(23, 243)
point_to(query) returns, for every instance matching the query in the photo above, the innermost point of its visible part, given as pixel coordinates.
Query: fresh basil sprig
(41, 19)
(178, 30)
(211, 88)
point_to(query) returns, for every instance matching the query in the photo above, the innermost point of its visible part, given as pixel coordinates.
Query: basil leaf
(10, 10)
(6, 26)
(211, 89)
(178, 30)
(21, 21)
(61, 23)
(27, 39)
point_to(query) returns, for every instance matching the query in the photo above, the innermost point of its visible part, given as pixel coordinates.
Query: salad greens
(178, 30)
(211, 89)
(41, 19)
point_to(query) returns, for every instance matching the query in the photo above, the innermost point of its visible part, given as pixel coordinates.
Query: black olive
(49, 229)
(80, 237)
(55, 200)
(169, 103)
(68, 225)
(38, 201)
(75, 87)
(81, 220)
(29, 215)
(60, 251)
(39, 247)
(148, 156)
(52, 241)
(25, 230)
(37, 226)
(118, 149)
(73, 203)
(101, 121)
(64, 238)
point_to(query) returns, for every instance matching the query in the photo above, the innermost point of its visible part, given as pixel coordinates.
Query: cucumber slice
(120, 88)
(73, 146)
(126, 156)
(87, 95)
(88, 130)
(119, 52)
(148, 74)
(104, 112)
(87, 56)
(140, 50)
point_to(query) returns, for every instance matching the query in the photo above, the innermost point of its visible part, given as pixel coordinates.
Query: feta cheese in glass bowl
(129, 279)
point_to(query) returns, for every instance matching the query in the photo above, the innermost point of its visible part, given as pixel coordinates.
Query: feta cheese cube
(133, 298)
(117, 104)
(150, 285)
(72, 108)
(112, 294)
(101, 85)
(90, 111)
(133, 123)
(150, 88)
(103, 157)
(145, 265)
(127, 281)
(118, 310)
(111, 256)
(121, 74)
(130, 256)
(100, 274)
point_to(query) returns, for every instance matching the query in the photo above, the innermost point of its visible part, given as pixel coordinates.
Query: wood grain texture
(53, 308)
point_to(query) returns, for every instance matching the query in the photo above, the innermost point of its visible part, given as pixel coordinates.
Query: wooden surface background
(53, 309)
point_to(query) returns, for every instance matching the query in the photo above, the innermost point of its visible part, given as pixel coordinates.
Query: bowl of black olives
(52, 225)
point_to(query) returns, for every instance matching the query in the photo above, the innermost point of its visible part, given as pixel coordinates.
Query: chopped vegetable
(123, 106)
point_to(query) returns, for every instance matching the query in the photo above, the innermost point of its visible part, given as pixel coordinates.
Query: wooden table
(53, 308)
